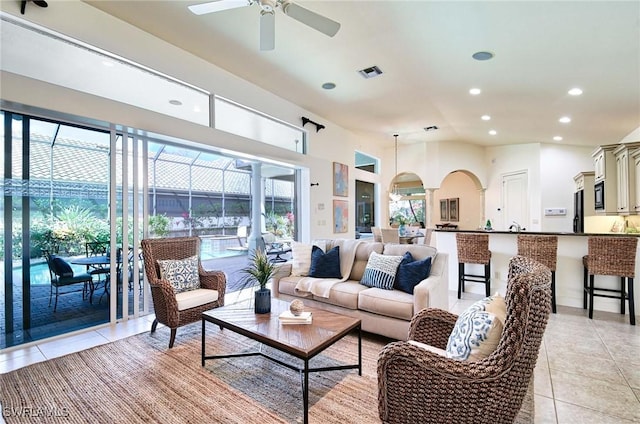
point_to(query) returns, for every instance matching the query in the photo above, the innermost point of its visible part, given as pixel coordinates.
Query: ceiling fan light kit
(267, 17)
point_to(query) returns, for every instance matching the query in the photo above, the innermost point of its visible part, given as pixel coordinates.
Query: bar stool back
(611, 256)
(473, 248)
(543, 249)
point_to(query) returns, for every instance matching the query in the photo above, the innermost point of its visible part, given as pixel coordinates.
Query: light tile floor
(588, 371)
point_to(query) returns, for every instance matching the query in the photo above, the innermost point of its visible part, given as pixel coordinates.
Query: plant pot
(263, 301)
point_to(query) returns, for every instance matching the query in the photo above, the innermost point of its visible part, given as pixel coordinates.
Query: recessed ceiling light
(475, 91)
(565, 120)
(175, 102)
(482, 55)
(575, 91)
(485, 117)
(328, 86)
(557, 138)
(493, 132)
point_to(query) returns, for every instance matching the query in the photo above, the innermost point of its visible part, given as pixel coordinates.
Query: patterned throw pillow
(381, 271)
(325, 265)
(411, 272)
(477, 331)
(182, 274)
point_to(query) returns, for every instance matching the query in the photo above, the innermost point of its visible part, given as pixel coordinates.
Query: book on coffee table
(286, 317)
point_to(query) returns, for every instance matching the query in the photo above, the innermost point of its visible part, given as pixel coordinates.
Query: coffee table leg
(202, 354)
(305, 391)
(359, 350)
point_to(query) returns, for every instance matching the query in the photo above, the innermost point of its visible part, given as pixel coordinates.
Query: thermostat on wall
(555, 211)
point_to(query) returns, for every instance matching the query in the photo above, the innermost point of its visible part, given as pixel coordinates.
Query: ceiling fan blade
(267, 31)
(312, 19)
(217, 6)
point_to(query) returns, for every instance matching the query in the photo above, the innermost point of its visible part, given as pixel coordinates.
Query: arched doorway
(460, 201)
(409, 201)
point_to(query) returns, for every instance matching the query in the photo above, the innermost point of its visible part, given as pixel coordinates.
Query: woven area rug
(138, 379)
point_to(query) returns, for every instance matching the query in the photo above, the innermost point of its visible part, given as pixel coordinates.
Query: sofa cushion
(381, 271)
(325, 265)
(418, 251)
(343, 294)
(477, 331)
(197, 297)
(391, 303)
(182, 273)
(287, 285)
(363, 251)
(411, 272)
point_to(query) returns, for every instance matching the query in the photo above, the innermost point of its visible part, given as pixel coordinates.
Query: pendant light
(395, 194)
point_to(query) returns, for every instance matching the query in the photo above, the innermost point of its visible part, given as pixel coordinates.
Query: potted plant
(259, 272)
(402, 224)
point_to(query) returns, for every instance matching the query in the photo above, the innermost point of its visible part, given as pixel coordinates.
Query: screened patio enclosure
(59, 181)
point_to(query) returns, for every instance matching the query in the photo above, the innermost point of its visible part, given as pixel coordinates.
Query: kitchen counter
(536, 233)
(569, 270)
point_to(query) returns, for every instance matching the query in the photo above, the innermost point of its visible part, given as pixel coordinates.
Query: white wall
(559, 164)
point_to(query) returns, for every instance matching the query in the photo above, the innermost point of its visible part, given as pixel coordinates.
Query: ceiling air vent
(431, 128)
(371, 72)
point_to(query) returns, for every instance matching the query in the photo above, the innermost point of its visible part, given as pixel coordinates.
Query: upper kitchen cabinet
(626, 178)
(635, 165)
(605, 187)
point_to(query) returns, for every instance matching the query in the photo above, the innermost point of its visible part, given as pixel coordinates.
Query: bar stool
(543, 249)
(610, 256)
(473, 249)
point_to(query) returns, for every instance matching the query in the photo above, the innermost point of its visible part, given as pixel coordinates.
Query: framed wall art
(340, 179)
(454, 214)
(340, 216)
(444, 210)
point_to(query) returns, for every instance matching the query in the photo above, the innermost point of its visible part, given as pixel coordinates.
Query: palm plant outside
(259, 271)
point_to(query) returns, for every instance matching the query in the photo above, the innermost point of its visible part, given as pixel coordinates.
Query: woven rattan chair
(416, 385)
(167, 304)
(611, 256)
(473, 249)
(543, 249)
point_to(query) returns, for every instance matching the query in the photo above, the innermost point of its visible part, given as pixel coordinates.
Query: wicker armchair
(419, 386)
(165, 300)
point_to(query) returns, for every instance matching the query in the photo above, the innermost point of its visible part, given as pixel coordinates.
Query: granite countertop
(536, 233)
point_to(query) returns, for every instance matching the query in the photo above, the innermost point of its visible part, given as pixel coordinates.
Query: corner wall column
(254, 241)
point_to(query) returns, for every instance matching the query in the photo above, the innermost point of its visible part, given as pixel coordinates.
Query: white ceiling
(424, 48)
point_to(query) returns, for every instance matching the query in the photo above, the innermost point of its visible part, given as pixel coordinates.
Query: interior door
(515, 201)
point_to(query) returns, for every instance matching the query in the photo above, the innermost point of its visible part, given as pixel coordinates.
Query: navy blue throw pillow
(61, 267)
(325, 265)
(411, 273)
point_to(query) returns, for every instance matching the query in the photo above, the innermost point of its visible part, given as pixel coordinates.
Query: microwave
(598, 192)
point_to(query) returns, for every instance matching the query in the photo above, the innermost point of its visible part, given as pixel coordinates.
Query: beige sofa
(384, 312)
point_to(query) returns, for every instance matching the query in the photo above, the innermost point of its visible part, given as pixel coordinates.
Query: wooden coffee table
(304, 341)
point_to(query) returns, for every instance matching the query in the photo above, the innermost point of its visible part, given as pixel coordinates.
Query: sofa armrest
(282, 270)
(433, 292)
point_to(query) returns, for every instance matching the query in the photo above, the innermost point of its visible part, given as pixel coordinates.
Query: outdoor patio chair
(174, 307)
(62, 275)
(419, 383)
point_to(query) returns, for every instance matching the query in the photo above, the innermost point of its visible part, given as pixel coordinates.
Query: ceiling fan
(267, 17)
(23, 4)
